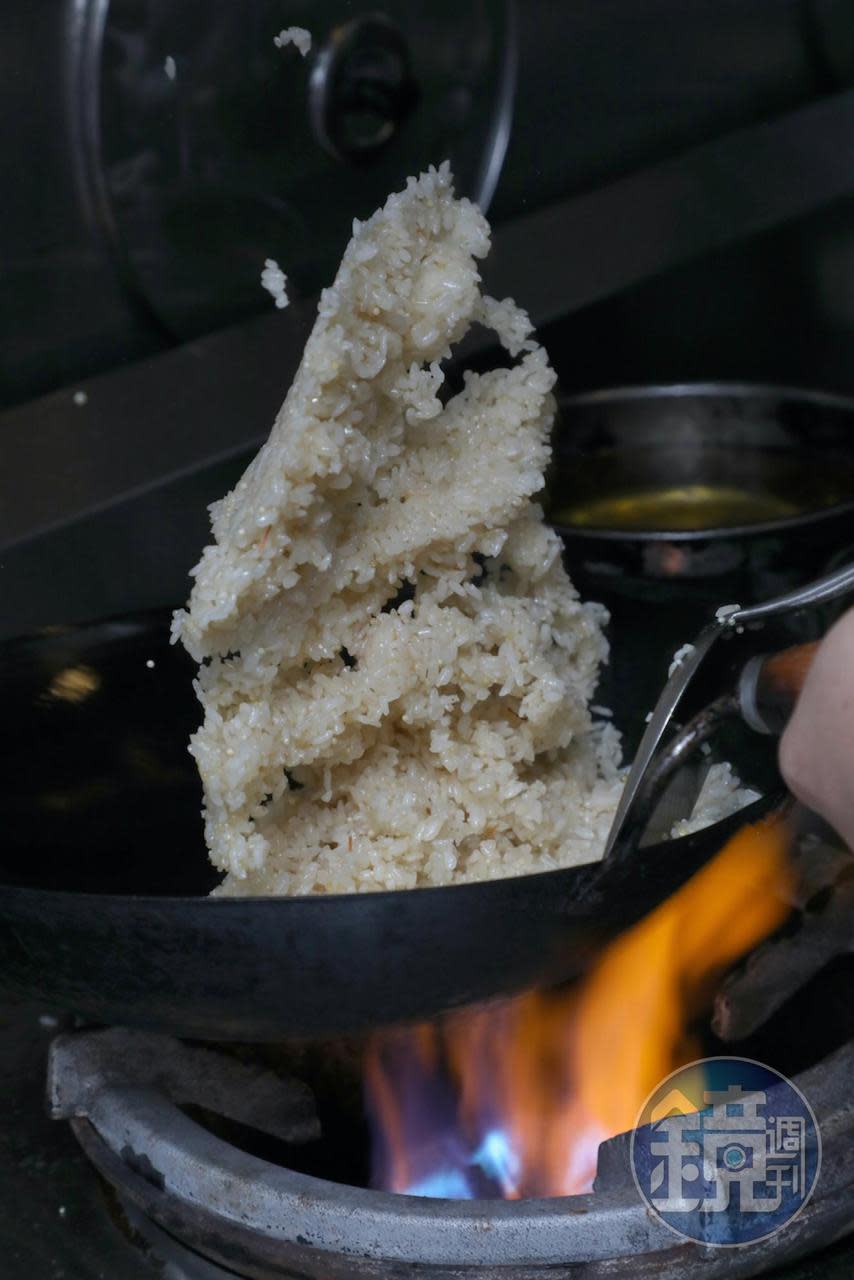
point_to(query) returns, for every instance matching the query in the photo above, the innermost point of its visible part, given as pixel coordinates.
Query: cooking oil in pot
(639, 491)
(677, 507)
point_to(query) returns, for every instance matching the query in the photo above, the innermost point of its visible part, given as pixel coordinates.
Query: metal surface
(102, 833)
(739, 185)
(772, 440)
(169, 1256)
(666, 207)
(594, 101)
(194, 406)
(241, 150)
(662, 715)
(831, 587)
(238, 1090)
(741, 701)
(57, 1222)
(778, 968)
(747, 695)
(666, 764)
(163, 151)
(709, 433)
(361, 88)
(265, 1220)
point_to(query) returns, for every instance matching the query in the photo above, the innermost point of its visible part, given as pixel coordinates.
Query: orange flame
(521, 1093)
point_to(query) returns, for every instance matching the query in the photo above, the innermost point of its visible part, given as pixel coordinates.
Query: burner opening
(341, 1154)
(513, 1100)
(310, 1195)
(805, 1030)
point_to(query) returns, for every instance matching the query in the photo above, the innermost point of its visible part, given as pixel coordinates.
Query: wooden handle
(770, 685)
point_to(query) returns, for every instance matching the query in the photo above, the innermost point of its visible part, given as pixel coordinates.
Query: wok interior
(99, 791)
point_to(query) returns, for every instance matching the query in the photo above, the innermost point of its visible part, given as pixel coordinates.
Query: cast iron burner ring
(265, 1221)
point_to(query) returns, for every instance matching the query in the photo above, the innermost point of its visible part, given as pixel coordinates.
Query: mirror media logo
(726, 1151)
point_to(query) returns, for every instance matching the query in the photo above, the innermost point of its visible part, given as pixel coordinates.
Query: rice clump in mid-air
(274, 280)
(396, 670)
(297, 36)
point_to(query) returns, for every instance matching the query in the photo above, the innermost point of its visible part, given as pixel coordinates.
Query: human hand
(817, 748)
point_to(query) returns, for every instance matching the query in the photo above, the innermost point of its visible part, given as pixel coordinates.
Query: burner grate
(263, 1221)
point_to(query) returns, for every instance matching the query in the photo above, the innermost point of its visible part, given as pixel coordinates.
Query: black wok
(104, 875)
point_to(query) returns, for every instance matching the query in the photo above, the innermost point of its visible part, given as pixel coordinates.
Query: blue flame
(446, 1184)
(496, 1157)
(443, 1159)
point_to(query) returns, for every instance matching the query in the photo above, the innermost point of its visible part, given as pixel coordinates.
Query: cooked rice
(274, 280)
(396, 670)
(297, 36)
(679, 657)
(720, 795)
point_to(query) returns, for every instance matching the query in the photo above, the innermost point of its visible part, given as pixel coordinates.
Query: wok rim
(752, 812)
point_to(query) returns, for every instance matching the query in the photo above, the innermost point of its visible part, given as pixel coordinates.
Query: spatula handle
(770, 684)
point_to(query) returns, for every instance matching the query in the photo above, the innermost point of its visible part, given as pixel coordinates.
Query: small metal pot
(792, 449)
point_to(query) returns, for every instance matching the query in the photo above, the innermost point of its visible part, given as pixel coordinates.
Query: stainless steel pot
(790, 451)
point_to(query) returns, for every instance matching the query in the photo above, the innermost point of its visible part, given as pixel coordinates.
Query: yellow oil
(679, 507)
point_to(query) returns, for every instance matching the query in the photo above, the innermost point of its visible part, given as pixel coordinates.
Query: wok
(103, 875)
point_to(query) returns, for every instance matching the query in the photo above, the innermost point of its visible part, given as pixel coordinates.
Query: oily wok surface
(104, 875)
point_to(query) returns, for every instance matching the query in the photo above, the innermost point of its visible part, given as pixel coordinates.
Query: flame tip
(513, 1099)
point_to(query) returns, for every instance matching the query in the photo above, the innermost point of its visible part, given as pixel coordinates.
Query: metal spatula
(767, 687)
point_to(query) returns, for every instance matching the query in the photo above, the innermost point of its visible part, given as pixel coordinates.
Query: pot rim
(707, 391)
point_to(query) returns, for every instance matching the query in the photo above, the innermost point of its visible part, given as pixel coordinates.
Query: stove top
(58, 1221)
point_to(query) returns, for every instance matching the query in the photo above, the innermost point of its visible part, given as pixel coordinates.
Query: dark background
(676, 202)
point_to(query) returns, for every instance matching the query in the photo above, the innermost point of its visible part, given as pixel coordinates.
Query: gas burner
(228, 1208)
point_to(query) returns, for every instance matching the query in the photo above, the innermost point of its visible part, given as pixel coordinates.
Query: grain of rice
(274, 280)
(679, 657)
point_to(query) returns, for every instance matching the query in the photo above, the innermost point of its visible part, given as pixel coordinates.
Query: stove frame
(265, 1221)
